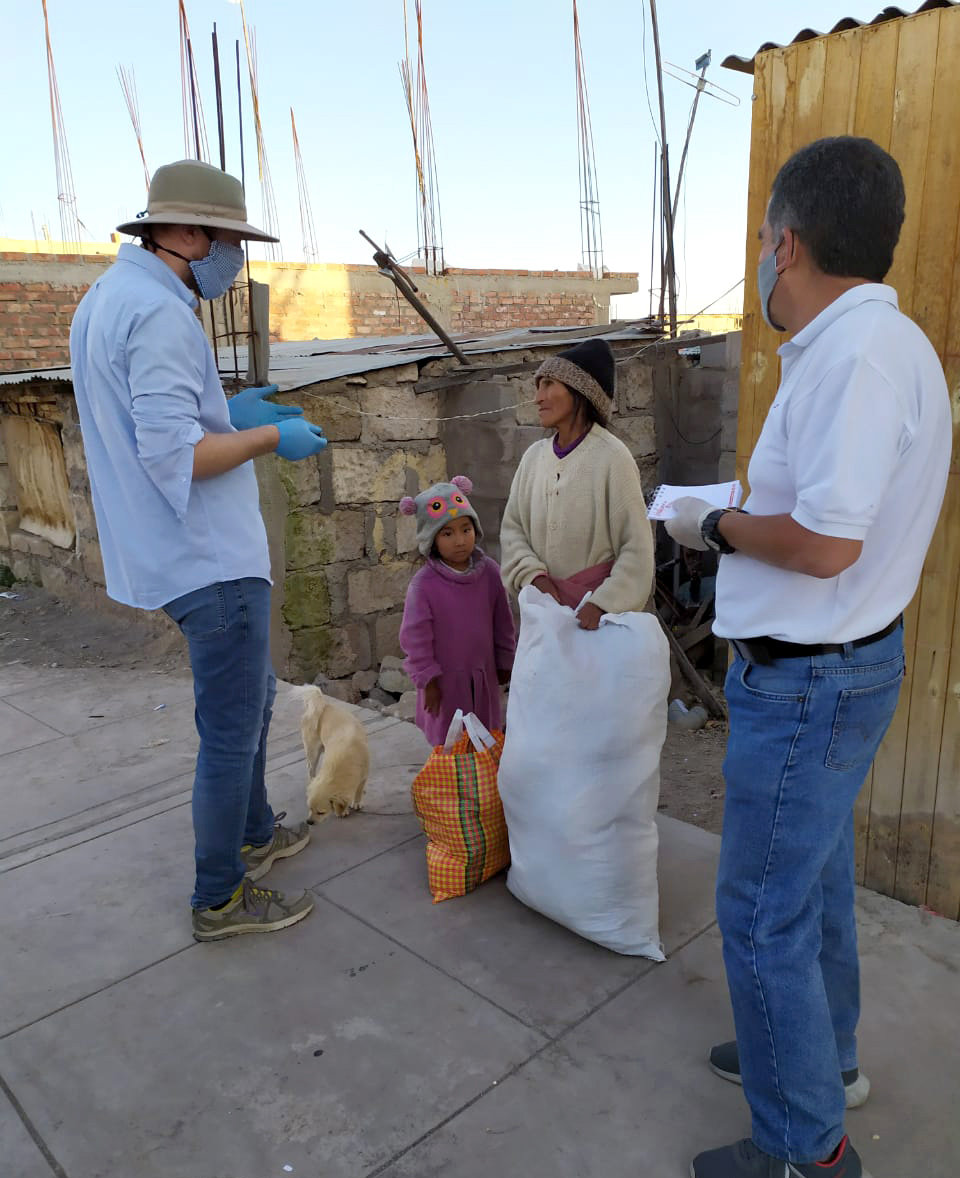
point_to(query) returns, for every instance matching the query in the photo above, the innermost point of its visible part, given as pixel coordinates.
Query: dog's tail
(314, 701)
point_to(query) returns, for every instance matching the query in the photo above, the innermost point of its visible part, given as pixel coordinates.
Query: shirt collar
(156, 269)
(868, 292)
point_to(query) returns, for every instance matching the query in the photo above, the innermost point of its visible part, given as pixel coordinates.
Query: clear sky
(503, 99)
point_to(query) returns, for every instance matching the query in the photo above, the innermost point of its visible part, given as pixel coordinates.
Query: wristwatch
(711, 533)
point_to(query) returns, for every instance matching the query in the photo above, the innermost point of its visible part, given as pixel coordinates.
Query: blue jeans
(803, 733)
(227, 627)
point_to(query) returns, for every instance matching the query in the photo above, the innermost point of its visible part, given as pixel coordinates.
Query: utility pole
(670, 276)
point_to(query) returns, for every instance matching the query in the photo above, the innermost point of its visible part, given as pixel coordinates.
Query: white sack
(580, 772)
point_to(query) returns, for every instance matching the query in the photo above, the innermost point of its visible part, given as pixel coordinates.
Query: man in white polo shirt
(846, 484)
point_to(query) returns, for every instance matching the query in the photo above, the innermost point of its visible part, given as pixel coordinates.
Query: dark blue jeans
(803, 733)
(227, 627)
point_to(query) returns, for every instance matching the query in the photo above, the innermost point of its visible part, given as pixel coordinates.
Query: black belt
(764, 649)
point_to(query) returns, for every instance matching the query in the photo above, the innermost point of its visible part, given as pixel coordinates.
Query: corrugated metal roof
(744, 65)
(295, 365)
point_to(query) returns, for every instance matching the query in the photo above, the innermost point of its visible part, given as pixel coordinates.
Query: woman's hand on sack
(432, 697)
(545, 585)
(589, 616)
(503, 677)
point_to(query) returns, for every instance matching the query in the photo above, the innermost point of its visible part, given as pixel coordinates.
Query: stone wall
(342, 554)
(40, 291)
(349, 554)
(73, 567)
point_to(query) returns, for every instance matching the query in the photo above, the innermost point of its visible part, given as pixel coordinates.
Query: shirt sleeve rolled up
(165, 360)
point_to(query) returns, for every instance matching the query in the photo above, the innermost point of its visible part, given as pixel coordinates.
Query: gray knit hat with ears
(437, 506)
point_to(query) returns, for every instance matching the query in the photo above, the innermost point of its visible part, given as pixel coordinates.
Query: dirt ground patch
(41, 630)
(691, 781)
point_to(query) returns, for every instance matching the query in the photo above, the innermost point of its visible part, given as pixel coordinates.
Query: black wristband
(710, 532)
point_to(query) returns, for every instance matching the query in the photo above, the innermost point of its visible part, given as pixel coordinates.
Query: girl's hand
(545, 585)
(433, 697)
(589, 616)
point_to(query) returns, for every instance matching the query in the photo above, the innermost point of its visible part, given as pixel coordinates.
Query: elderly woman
(576, 520)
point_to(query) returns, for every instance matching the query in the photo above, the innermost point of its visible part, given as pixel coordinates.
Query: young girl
(576, 519)
(457, 630)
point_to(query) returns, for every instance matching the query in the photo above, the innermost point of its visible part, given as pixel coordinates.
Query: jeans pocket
(778, 682)
(861, 721)
(200, 614)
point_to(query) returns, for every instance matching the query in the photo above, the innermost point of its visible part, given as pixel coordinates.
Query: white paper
(716, 494)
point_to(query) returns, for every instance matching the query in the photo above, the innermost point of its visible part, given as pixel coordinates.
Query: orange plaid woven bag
(455, 797)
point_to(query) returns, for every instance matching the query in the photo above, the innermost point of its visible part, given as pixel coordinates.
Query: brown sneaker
(250, 910)
(286, 841)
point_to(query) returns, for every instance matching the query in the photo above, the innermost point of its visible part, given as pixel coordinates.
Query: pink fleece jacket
(457, 627)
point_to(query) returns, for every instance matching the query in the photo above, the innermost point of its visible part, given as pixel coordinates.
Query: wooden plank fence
(895, 83)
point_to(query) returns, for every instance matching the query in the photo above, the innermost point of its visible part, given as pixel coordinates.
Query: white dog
(337, 787)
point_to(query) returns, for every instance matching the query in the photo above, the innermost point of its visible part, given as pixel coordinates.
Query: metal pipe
(405, 285)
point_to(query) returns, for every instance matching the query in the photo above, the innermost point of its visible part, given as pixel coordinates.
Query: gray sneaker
(253, 910)
(725, 1061)
(744, 1160)
(286, 841)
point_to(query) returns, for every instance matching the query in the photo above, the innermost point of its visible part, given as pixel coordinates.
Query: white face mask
(766, 280)
(215, 274)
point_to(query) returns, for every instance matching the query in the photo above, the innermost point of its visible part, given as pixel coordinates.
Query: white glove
(686, 523)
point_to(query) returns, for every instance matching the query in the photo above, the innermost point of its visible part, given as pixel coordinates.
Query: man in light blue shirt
(178, 514)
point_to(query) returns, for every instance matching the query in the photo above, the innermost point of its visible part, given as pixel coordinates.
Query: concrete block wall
(348, 555)
(341, 553)
(696, 399)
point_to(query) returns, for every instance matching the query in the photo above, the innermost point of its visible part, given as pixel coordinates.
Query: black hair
(844, 199)
(585, 408)
(434, 551)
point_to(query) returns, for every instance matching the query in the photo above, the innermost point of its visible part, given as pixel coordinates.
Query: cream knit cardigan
(568, 514)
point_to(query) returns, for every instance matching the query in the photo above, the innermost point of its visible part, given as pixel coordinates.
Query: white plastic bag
(580, 772)
(478, 732)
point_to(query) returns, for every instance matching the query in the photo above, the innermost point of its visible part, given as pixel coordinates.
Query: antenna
(66, 196)
(591, 238)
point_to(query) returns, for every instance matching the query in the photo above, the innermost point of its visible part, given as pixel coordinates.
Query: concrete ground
(384, 1035)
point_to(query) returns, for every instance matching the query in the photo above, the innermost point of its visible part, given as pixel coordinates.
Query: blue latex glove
(248, 409)
(299, 439)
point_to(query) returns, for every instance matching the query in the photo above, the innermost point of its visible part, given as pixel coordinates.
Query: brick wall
(466, 304)
(39, 292)
(36, 305)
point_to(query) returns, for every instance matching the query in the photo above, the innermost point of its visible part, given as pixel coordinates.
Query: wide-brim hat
(191, 192)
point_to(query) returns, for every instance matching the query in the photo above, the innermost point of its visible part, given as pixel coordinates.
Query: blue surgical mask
(766, 280)
(215, 274)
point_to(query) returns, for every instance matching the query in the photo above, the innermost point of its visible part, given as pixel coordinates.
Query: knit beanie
(589, 369)
(437, 506)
